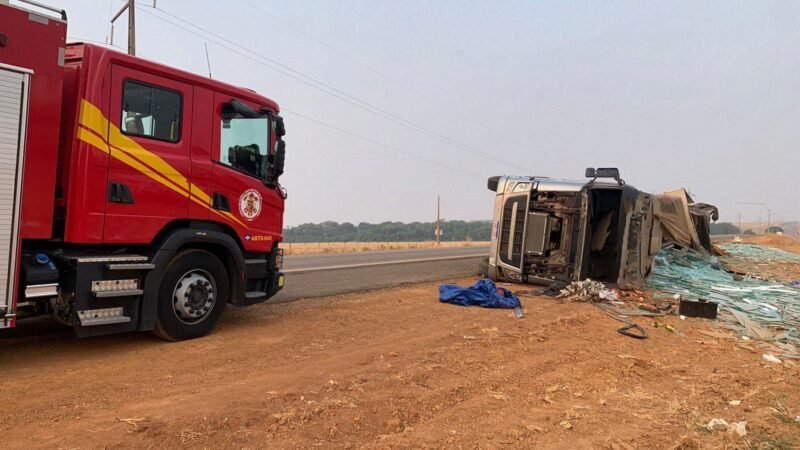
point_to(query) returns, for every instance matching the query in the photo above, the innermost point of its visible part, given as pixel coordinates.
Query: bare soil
(395, 368)
(788, 243)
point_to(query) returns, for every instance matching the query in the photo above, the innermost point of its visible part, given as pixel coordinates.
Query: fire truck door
(240, 152)
(149, 173)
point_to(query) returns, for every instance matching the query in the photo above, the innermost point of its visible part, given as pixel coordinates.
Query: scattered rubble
(588, 290)
(739, 428)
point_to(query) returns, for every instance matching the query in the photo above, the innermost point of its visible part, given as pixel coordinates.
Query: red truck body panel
(169, 181)
(36, 42)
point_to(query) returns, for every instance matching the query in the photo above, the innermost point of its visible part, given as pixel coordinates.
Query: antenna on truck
(208, 60)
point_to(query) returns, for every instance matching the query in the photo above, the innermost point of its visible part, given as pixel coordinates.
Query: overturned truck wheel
(192, 295)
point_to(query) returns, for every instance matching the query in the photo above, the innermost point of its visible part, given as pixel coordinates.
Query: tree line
(729, 228)
(452, 230)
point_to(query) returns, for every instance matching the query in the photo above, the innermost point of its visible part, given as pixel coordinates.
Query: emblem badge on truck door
(250, 204)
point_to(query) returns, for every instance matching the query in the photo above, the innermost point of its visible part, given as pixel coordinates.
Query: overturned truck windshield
(549, 231)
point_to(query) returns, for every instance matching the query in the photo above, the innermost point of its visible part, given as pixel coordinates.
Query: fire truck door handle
(221, 202)
(120, 193)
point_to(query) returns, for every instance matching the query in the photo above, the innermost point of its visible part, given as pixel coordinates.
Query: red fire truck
(133, 196)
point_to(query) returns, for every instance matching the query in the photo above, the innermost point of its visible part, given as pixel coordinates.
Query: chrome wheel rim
(194, 296)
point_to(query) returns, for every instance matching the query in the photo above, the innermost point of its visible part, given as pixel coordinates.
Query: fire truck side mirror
(280, 159)
(280, 129)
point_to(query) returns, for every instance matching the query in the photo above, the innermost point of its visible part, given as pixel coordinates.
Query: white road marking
(383, 263)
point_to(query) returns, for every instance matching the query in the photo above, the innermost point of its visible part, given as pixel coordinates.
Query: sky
(401, 101)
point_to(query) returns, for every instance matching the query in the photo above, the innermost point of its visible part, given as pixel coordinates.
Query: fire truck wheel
(192, 296)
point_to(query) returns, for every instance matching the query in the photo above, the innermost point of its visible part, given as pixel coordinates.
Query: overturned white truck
(548, 231)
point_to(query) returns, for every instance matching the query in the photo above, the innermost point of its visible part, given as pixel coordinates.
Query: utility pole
(131, 8)
(769, 213)
(740, 222)
(438, 220)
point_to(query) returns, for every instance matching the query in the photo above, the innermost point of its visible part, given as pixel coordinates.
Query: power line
(327, 125)
(380, 144)
(355, 60)
(333, 91)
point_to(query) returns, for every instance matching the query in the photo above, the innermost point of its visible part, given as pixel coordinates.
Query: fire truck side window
(151, 111)
(244, 143)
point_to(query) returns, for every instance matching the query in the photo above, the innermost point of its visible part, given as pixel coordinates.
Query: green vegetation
(723, 228)
(749, 232)
(452, 230)
(774, 230)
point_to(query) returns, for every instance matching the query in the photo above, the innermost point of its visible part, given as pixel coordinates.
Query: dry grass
(783, 242)
(308, 248)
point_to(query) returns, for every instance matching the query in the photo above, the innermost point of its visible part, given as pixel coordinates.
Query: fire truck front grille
(12, 121)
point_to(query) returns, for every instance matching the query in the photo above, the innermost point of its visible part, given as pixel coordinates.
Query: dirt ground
(395, 368)
(788, 243)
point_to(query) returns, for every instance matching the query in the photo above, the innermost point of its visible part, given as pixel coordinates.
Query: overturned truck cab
(548, 231)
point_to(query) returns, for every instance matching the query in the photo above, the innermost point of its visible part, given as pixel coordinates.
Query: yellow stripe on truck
(92, 118)
(134, 155)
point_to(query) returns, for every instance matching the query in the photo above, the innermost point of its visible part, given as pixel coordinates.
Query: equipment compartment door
(13, 121)
(150, 169)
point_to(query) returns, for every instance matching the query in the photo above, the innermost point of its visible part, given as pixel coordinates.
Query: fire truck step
(252, 295)
(131, 266)
(256, 268)
(104, 316)
(41, 290)
(120, 293)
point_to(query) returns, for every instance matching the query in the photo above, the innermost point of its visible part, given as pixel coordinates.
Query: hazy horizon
(702, 95)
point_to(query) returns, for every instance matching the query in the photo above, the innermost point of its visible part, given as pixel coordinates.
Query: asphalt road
(339, 273)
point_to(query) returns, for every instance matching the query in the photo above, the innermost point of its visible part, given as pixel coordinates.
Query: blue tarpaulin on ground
(482, 293)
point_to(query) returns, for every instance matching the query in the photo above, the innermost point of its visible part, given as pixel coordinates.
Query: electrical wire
(333, 91)
(357, 61)
(380, 144)
(319, 122)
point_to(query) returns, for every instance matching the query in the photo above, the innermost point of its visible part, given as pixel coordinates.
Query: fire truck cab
(133, 196)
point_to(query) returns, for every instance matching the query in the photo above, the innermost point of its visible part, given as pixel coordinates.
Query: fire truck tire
(192, 295)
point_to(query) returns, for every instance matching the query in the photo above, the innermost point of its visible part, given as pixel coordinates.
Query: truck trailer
(133, 195)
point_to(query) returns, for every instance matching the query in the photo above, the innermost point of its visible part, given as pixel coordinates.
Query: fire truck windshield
(245, 144)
